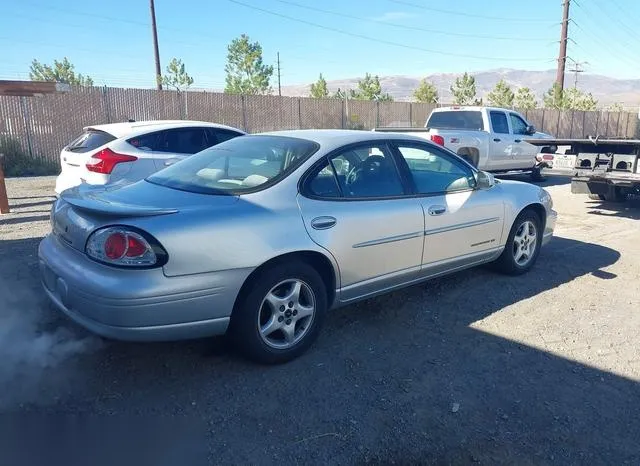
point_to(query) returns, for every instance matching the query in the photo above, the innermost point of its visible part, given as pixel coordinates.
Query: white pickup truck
(491, 139)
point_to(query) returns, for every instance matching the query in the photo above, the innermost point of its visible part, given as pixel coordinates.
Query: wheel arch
(539, 210)
(319, 261)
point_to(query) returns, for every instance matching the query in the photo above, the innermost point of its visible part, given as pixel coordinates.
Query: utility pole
(562, 56)
(279, 89)
(155, 45)
(577, 69)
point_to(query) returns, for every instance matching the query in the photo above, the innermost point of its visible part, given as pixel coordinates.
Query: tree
(176, 76)
(369, 88)
(501, 95)
(340, 94)
(246, 73)
(426, 93)
(569, 99)
(464, 90)
(60, 72)
(615, 107)
(554, 98)
(319, 88)
(525, 99)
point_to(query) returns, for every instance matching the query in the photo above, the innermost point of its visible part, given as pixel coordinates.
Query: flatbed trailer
(605, 168)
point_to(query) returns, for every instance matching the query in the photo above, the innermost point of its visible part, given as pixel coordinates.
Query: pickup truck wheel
(523, 245)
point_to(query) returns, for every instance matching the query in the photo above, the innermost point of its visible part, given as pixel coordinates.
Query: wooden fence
(44, 124)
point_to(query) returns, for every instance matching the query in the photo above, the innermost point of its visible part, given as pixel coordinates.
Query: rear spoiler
(84, 197)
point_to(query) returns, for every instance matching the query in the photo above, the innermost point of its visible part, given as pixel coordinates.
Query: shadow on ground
(629, 209)
(398, 379)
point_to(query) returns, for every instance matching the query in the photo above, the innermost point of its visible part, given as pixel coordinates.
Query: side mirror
(485, 180)
(531, 130)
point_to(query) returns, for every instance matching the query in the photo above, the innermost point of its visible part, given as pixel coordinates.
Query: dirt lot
(473, 368)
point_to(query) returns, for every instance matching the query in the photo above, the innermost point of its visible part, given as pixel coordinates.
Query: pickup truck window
(434, 172)
(463, 119)
(518, 124)
(499, 122)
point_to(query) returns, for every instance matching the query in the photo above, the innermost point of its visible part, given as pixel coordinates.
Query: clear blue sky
(111, 41)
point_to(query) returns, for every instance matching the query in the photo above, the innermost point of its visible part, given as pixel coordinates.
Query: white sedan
(128, 152)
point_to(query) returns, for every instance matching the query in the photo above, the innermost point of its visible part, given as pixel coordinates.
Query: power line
(381, 41)
(408, 27)
(468, 15)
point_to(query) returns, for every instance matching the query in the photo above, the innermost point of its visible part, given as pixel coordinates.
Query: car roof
(453, 108)
(139, 127)
(339, 137)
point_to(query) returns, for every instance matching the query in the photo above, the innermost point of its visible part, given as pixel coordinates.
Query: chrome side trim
(388, 239)
(460, 226)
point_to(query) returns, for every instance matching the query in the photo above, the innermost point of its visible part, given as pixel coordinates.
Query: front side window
(518, 124)
(499, 123)
(434, 172)
(366, 171)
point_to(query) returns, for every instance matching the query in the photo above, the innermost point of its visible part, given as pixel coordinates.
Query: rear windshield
(237, 165)
(89, 140)
(456, 119)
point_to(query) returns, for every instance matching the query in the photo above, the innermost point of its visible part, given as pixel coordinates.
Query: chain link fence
(42, 125)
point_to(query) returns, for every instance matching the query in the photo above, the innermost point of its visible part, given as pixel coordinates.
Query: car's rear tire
(523, 245)
(280, 315)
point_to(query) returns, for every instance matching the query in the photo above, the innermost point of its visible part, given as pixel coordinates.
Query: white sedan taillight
(123, 246)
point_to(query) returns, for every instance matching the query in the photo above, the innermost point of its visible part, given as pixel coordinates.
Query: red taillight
(547, 157)
(437, 139)
(122, 246)
(115, 246)
(135, 247)
(106, 159)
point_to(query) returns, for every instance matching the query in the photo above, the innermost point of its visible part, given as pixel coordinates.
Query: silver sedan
(260, 235)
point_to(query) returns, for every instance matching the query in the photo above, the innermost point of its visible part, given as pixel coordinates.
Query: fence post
(244, 113)
(299, 113)
(542, 123)
(377, 113)
(584, 124)
(105, 101)
(4, 200)
(186, 105)
(573, 114)
(618, 134)
(626, 126)
(411, 114)
(27, 124)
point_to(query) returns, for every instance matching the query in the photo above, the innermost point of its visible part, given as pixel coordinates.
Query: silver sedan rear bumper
(137, 305)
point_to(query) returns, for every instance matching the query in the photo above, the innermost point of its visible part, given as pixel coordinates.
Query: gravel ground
(474, 368)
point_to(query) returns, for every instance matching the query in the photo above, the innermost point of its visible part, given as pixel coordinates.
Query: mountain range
(605, 89)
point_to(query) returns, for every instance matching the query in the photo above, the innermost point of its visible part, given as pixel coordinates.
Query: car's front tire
(281, 313)
(523, 245)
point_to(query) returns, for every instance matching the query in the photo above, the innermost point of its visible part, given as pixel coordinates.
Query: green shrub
(18, 163)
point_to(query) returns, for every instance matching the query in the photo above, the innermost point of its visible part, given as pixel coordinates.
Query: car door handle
(496, 139)
(518, 140)
(437, 210)
(323, 223)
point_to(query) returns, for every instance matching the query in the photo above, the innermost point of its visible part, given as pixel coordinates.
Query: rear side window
(89, 140)
(499, 122)
(216, 136)
(150, 142)
(463, 119)
(185, 140)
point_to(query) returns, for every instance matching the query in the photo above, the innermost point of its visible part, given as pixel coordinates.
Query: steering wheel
(371, 165)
